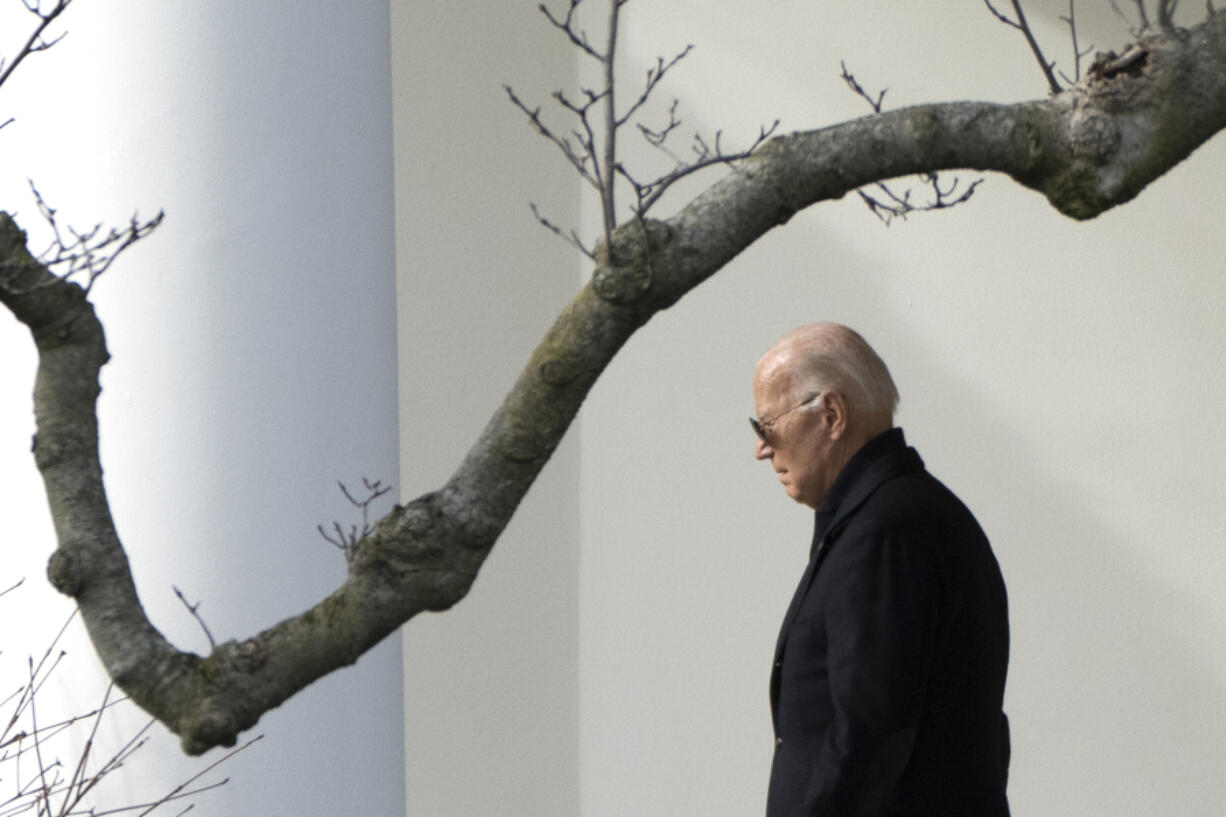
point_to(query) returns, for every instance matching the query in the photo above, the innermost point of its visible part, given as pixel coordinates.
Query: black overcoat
(889, 673)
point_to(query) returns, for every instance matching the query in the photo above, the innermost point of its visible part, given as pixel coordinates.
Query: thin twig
(578, 161)
(578, 37)
(1119, 13)
(649, 193)
(1166, 14)
(900, 206)
(19, 583)
(36, 43)
(874, 102)
(347, 541)
(1140, 4)
(656, 138)
(607, 193)
(654, 76)
(194, 609)
(87, 253)
(78, 779)
(571, 238)
(1071, 19)
(1021, 25)
(38, 750)
(178, 791)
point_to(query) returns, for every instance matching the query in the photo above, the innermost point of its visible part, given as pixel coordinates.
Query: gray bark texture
(1087, 149)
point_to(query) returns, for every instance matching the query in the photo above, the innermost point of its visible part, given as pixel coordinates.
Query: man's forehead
(777, 363)
(774, 376)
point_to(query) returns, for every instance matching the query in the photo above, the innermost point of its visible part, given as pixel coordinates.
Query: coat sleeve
(880, 608)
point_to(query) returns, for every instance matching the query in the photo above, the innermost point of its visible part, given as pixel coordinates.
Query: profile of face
(802, 434)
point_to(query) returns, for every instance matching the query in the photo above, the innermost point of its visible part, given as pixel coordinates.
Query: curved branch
(1088, 149)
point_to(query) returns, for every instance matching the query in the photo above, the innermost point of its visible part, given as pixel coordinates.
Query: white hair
(829, 356)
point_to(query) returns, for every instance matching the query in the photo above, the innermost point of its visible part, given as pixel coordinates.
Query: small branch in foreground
(32, 747)
(10, 589)
(180, 791)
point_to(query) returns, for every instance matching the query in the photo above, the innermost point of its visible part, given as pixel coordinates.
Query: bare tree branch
(37, 40)
(11, 588)
(648, 193)
(595, 158)
(1166, 14)
(567, 26)
(570, 237)
(1141, 14)
(874, 102)
(42, 783)
(1088, 149)
(895, 205)
(654, 76)
(89, 253)
(348, 540)
(607, 174)
(577, 160)
(194, 609)
(1078, 53)
(1021, 25)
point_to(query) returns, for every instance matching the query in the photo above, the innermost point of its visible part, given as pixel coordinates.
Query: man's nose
(763, 451)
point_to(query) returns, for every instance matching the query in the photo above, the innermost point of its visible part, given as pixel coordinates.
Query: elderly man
(889, 671)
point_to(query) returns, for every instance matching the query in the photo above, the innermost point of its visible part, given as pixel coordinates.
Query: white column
(252, 338)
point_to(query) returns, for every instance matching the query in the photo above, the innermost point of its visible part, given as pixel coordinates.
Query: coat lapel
(878, 473)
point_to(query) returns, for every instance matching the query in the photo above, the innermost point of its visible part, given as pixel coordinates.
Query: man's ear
(835, 405)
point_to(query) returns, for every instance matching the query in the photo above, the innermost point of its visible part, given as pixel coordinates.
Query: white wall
(1061, 377)
(252, 340)
(491, 702)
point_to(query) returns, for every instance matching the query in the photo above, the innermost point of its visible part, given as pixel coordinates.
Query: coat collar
(879, 460)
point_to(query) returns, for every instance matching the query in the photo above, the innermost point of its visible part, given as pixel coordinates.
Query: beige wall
(1061, 377)
(492, 702)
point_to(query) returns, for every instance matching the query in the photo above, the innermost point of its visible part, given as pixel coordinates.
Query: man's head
(821, 393)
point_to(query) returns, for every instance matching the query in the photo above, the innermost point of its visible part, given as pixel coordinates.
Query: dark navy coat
(889, 674)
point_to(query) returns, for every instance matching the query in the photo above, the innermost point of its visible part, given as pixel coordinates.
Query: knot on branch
(65, 574)
(521, 444)
(202, 731)
(560, 370)
(1094, 136)
(246, 656)
(1131, 63)
(624, 271)
(560, 363)
(47, 451)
